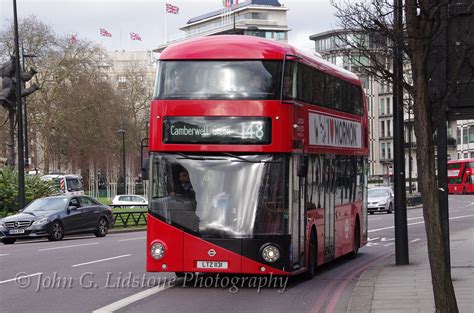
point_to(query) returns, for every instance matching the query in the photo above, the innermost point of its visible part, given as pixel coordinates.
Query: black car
(54, 217)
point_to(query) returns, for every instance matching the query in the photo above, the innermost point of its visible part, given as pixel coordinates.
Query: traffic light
(8, 91)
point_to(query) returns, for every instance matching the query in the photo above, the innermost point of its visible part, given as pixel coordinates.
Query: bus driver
(183, 187)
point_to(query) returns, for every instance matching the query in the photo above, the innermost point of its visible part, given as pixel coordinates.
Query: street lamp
(25, 116)
(122, 131)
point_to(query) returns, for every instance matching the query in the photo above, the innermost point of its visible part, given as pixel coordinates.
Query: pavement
(386, 287)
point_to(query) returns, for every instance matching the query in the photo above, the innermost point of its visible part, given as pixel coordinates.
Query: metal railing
(130, 217)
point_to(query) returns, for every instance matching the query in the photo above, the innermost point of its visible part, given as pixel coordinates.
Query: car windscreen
(47, 204)
(378, 193)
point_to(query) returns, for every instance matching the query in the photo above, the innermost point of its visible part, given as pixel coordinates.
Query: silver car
(380, 199)
(130, 201)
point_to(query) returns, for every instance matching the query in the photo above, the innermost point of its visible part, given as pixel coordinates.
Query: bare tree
(74, 112)
(423, 25)
(136, 99)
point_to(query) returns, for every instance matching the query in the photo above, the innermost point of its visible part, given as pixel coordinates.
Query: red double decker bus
(258, 159)
(461, 176)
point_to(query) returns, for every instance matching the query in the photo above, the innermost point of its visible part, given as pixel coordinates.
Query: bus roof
(460, 161)
(240, 47)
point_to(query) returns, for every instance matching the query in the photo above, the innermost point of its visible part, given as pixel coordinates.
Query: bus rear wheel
(312, 257)
(355, 242)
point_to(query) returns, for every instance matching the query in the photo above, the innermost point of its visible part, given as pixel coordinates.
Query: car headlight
(41, 221)
(383, 201)
(2, 223)
(270, 253)
(157, 250)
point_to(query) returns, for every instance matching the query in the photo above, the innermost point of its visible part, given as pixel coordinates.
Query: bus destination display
(217, 130)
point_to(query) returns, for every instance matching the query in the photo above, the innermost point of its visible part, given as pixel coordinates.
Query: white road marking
(379, 229)
(453, 218)
(72, 246)
(133, 298)
(129, 239)
(391, 227)
(415, 240)
(101, 260)
(414, 218)
(4, 254)
(21, 277)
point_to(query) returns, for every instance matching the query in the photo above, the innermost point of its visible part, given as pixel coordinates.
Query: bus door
(329, 179)
(298, 209)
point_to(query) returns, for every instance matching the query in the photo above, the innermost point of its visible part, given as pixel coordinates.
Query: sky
(147, 18)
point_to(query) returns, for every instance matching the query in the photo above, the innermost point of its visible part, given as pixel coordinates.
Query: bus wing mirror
(303, 165)
(145, 168)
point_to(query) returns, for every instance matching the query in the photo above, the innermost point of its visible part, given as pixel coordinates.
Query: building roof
(240, 47)
(274, 3)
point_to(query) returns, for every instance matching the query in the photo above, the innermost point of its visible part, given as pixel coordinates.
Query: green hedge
(34, 188)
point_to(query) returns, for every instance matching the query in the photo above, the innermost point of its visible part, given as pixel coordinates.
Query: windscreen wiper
(242, 159)
(199, 158)
(190, 158)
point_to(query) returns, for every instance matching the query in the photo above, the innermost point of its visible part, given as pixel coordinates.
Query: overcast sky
(147, 18)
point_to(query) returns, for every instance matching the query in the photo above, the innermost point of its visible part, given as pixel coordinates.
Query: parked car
(129, 200)
(54, 217)
(380, 199)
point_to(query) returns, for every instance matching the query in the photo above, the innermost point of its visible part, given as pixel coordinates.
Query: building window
(389, 151)
(389, 131)
(382, 129)
(471, 134)
(122, 79)
(258, 15)
(382, 151)
(382, 106)
(389, 107)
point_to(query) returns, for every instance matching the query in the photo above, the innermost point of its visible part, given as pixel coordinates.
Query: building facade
(465, 139)
(260, 18)
(116, 66)
(341, 48)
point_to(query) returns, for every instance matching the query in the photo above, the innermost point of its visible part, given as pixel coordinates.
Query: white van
(66, 184)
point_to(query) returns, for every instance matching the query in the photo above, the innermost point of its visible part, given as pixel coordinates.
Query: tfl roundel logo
(211, 252)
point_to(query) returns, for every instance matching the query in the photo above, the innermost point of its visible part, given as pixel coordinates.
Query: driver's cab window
(74, 202)
(73, 184)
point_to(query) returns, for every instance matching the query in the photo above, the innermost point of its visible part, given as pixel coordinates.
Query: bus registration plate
(212, 264)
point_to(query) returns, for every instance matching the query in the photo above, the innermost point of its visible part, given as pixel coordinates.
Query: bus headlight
(270, 253)
(157, 250)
